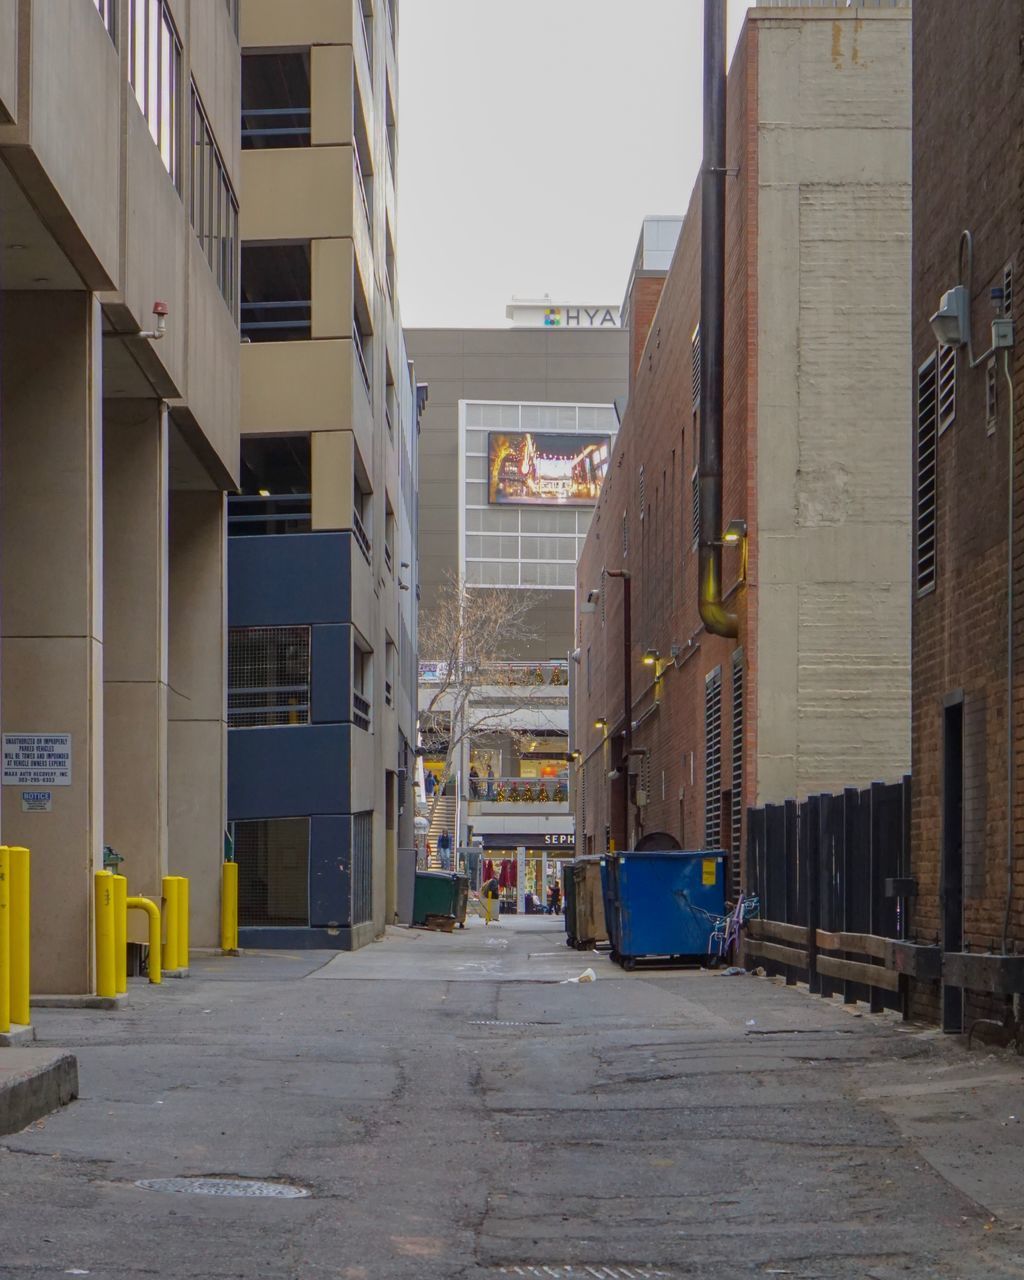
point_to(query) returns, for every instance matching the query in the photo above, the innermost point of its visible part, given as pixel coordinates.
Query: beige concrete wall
(303, 193)
(197, 728)
(8, 59)
(300, 22)
(135, 639)
(331, 85)
(833, 402)
(51, 658)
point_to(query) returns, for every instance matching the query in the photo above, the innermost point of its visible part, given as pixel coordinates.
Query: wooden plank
(795, 933)
(781, 955)
(870, 975)
(865, 944)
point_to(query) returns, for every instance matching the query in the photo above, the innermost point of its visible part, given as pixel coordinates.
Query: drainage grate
(494, 1022)
(224, 1187)
(586, 1271)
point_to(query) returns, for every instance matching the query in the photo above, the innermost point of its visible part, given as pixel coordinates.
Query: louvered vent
(713, 760)
(927, 475)
(947, 387)
(695, 521)
(695, 368)
(736, 817)
(643, 493)
(1008, 289)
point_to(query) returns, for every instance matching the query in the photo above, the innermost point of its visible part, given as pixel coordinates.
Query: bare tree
(467, 638)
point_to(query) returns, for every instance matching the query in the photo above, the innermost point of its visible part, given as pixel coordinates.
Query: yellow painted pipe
(153, 911)
(229, 906)
(183, 922)
(121, 933)
(18, 859)
(170, 895)
(5, 939)
(106, 968)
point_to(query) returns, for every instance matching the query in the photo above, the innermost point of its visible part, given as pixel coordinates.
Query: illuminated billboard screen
(546, 470)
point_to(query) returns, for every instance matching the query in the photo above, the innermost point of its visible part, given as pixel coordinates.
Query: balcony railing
(361, 536)
(520, 790)
(357, 165)
(259, 707)
(357, 341)
(286, 126)
(276, 321)
(260, 513)
(524, 673)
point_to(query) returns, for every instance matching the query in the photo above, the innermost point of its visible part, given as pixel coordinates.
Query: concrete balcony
(525, 798)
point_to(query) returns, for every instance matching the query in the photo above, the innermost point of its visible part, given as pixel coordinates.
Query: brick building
(813, 694)
(967, 177)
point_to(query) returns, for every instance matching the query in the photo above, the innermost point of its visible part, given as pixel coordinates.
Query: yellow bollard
(183, 922)
(229, 907)
(153, 911)
(170, 893)
(5, 939)
(106, 982)
(120, 933)
(18, 863)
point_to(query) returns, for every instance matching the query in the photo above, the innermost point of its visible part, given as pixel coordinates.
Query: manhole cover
(223, 1187)
(586, 1271)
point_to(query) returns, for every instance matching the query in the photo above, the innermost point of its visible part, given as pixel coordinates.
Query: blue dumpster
(662, 905)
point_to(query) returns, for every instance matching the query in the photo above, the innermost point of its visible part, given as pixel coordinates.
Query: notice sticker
(708, 870)
(37, 802)
(37, 759)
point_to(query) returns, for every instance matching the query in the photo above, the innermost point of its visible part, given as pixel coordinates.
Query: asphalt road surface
(454, 1108)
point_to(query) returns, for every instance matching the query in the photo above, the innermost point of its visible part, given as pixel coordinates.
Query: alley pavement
(454, 1107)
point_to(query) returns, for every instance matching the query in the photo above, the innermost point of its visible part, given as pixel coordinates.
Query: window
(107, 10)
(389, 536)
(927, 475)
(390, 401)
(361, 340)
(276, 485)
(276, 100)
(273, 871)
(695, 366)
(713, 760)
(155, 74)
(362, 684)
(947, 387)
(736, 816)
(214, 207)
(268, 676)
(1008, 289)
(361, 516)
(390, 656)
(276, 293)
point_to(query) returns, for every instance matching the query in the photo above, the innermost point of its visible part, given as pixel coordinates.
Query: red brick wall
(658, 435)
(643, 303)
(967, 173)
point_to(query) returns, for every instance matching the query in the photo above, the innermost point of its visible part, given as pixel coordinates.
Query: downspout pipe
(719, 620)
(627, 678)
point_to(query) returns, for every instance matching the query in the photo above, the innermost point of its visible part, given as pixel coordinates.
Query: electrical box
(1002, 333)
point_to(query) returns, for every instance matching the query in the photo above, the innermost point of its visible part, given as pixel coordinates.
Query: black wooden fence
(829, 874)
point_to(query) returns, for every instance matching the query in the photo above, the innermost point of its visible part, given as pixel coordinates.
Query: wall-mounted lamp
(601, 724)
(735, 533)
(951, 324)
(577, 756)
(593, 597)
(651, 658)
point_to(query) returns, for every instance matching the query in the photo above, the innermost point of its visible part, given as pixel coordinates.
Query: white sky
(534, 135)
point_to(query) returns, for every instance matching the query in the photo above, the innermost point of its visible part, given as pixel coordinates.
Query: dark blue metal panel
(290, 771)
(289, 579)
(331, 664)
(330, 867)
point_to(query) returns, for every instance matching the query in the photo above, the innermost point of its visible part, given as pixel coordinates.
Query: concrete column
(51, 608)
(197, 729)
(135, 640)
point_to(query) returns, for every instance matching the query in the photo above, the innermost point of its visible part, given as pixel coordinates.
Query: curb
(34, 1082)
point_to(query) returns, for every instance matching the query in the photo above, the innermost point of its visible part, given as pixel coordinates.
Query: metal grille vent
(625, 535)
(695, 367)
(643, 493)
(736, 817)
(362, 867)
(927, 475)
(695, 519)
(1008, 289)
(947, 387)
(713, 759)
(273, 872)
(268, 676)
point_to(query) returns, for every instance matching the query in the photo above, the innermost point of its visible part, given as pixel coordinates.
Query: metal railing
(297, 124)
(361, 536)
(266, 705)
(267, 321)
(520, 790)
(258, 513)
(524, 673)
(357, 165)
(357, 343)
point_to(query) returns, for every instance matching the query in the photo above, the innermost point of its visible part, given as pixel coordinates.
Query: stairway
(445, 819)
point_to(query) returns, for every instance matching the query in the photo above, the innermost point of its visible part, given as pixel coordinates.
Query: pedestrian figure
(490, 783)
(444, 850)
(474, 783)
(429, 782)
(490, 894)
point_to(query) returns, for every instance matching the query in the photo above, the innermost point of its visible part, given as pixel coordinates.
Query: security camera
(951, 324)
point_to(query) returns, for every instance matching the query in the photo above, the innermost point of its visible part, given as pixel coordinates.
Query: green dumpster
(436, 893)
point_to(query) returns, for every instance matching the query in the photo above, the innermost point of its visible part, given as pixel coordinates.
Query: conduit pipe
(716, 617)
